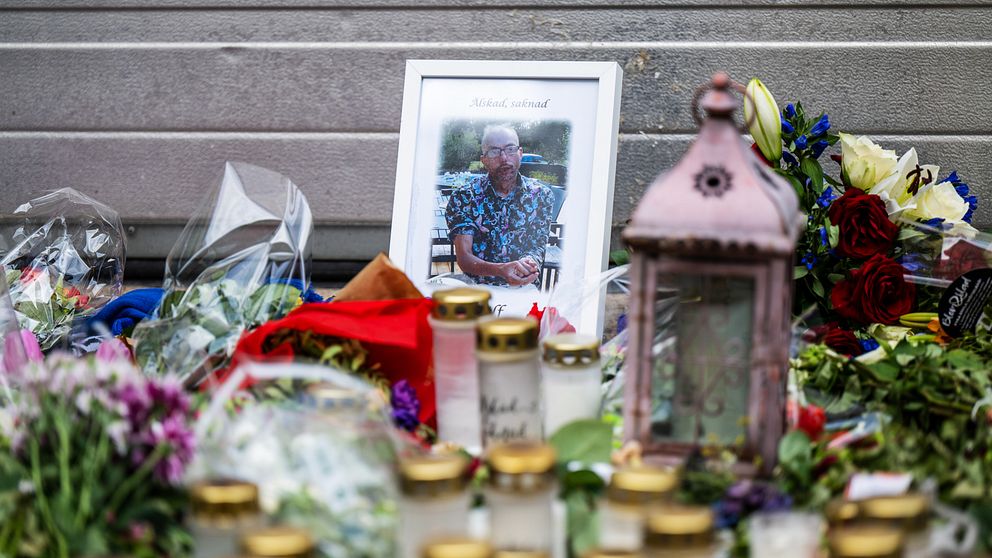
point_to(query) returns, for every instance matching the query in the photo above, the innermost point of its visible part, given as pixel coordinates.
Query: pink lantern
(713, 241)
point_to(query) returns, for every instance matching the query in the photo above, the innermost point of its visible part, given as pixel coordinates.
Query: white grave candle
(456, 371)
(435, 501)
(509, 380)
(623, 511)
(519, 495)
(572, 380)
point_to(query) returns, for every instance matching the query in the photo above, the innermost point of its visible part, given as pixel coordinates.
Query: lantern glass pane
(702, 359)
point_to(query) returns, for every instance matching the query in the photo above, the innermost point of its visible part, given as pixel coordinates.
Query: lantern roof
(720, 196)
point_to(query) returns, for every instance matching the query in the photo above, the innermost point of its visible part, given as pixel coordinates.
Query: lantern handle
(721, 82)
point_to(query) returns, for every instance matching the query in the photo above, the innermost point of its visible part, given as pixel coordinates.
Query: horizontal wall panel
(876, 88)
(495, 24)
(435, 4)
(156, 180)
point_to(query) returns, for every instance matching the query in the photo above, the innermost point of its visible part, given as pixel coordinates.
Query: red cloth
(396, 334)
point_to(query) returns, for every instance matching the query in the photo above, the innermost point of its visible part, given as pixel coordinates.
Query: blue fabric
(127, 310)
(308, 294)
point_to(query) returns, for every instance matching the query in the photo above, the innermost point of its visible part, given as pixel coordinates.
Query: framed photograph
(504, 180)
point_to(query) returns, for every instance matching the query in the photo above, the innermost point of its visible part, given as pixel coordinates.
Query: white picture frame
(580, 98)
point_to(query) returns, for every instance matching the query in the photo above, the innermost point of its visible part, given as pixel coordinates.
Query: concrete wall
(139, 102)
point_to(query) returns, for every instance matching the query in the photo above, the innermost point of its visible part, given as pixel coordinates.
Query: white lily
(895, 188)
(765, 120)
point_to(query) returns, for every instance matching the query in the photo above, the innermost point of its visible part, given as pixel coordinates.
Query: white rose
(895, 188)
(940, 201)
(864, 163)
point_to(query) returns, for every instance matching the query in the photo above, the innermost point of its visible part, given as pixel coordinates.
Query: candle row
(491, 383)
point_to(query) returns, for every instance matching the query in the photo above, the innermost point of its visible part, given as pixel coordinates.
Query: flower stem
(46, 511)
(138, 477)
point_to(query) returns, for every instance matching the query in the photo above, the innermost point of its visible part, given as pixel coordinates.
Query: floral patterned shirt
(502, 229)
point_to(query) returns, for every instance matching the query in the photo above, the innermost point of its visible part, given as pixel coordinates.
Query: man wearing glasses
(499, 223)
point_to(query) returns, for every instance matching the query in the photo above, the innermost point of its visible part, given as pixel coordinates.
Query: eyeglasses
(494, 152)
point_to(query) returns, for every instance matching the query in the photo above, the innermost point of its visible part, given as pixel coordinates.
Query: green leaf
(799, 272)
(833, 235)
(795, 446)
(886, 371)
(620, 257)
(835, 277)
(961, 358)
(585, 441)
(812, 169)
(907, 233)
(817, 286)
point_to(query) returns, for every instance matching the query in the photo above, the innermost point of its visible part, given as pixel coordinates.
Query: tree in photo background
(462, 142)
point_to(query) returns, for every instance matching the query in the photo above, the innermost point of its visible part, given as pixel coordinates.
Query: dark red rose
(874, 293)
(863, 223)
(842, 341)
(959, 259)
(835, 337)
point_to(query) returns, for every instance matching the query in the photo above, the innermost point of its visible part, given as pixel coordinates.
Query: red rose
(863, 223)
(874, 293)
(959, 259)
(812, 419)
(842, 341)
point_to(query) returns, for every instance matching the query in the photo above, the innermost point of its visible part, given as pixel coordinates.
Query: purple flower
(111, 350)
(19, 349)
(746, 497)
(174, 434)
(406, 406)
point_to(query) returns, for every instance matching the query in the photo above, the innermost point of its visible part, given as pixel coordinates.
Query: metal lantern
(713, 241)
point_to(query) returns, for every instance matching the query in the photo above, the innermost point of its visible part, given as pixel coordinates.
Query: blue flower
(809, 260)
(789, 159)
(621, 323)
(819, 147)
(911, 262)
(821, 126)
(964, 191)
(790, 111)
(868, 345)
(826, 198)
(801, 142)
(936, 222)
(824, 237)
(787, 128)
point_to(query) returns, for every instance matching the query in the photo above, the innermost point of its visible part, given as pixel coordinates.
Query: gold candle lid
(278, 542)
(224, 498)
(433, 475)
(866, 542)
(571, 350)
(507, 335)
(641, 484)
(907, 507)
(607, 553)
(522, 554)
(840, 511)
(329, 397)
(521, 466)
(675, 525)
(462, 304)
(458, 548)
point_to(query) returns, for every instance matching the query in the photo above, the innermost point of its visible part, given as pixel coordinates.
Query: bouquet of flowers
(854, 257)
(91, 460)
(67, 261)
(243, 261)
(331, 471)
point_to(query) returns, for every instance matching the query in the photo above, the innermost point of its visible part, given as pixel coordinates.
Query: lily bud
(765, 120)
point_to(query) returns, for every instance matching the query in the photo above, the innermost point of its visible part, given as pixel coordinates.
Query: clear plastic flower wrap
(327, 468)
(64, 259)
(242, 260)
